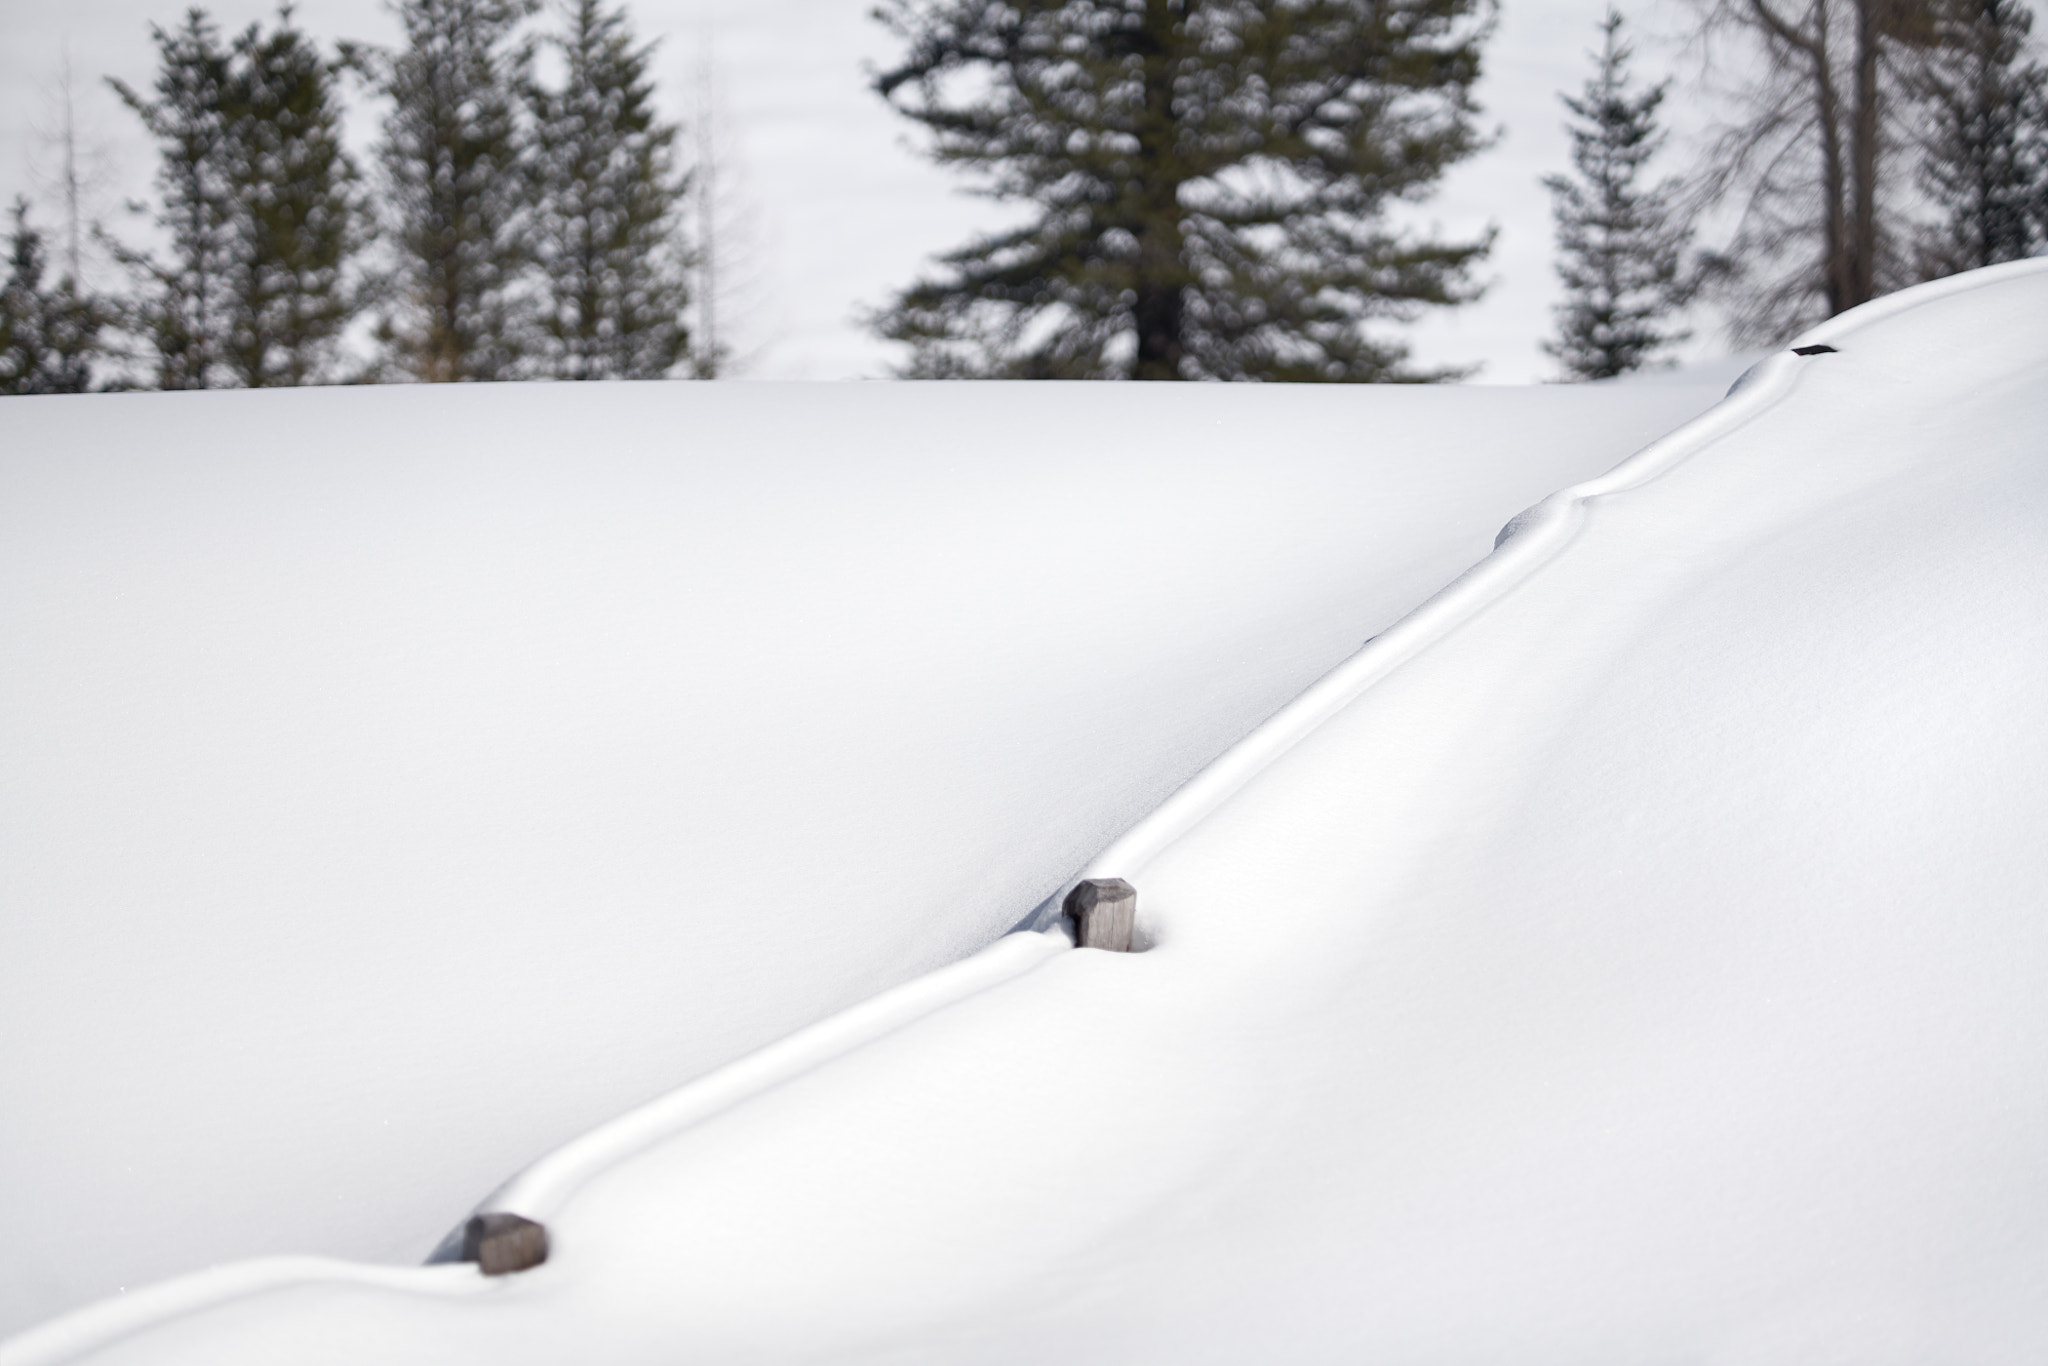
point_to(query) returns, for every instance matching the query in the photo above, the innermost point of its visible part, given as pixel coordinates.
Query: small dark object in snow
(503, 1243)
(1105, 911)
(1822, 350)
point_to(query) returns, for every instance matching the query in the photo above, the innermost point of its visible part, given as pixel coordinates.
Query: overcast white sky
(847, 209)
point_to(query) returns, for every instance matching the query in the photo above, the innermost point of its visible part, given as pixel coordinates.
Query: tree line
(1876, 143)
(508, 226)
(1211, 189)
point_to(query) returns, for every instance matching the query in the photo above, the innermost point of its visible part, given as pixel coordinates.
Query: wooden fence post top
(503, 1243)
(1105, 913)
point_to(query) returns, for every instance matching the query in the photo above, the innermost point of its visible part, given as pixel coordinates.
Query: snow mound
(396, 783)
(1633, 954)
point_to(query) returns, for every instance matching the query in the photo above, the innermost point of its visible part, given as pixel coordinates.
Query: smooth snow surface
(1636, 955)
(396, 783)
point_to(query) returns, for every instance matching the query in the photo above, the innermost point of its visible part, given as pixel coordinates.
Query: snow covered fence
(1555, 522)
(1529, 541)
(1104, 912)
(501, 1244)
(409, 701)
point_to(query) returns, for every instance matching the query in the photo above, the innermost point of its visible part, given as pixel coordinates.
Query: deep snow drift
(396, 783)
(1635, 955)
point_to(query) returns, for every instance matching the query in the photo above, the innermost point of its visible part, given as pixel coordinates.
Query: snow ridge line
(1529, 541)
(106, 1322)
(540, 1189)
(544, 1186)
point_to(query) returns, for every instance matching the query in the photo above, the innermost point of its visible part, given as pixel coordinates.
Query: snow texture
(395, 784)
(1633, 955)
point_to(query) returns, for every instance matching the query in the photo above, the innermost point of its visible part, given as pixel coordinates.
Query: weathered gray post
(503, 1243)
(1105, 912)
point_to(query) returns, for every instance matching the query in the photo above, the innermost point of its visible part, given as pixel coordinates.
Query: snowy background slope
(395, 783)
(1640, 961)
(1590, 988)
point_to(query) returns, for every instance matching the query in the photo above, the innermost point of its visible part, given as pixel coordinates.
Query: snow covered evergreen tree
(180, 311)
(298, 219)
(1209, 182)
(257, 199)
(607, 204)
(454, 190)
(49, 336)
(1621, 248)
(1985, 139)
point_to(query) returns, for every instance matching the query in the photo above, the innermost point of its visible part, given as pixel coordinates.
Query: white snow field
(1633, 955)
(1636, 955)
(396, 783)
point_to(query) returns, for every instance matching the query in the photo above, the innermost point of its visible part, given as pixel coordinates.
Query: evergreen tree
(1620, 250)
(49, 338)
(258, 200)
(179, 313)
(453, 189)
(298, 218)
(607, 202)
(1986, 138)
(1209, 182)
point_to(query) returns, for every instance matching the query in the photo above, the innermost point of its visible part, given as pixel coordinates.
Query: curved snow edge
(541, 1188)
(106, 1322)
(1528, 542)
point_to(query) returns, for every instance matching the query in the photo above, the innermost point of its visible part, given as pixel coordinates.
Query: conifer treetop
(1209, 181)
(49, 336)
(179, 314)
(606, 198)
(1621, 248)
(1985, 137)
(453, 191)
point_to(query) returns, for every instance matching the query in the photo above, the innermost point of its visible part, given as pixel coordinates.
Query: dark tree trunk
(1862, 273)
(1835, 230)
(1159, 311)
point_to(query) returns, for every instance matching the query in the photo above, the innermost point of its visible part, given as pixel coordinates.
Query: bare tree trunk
(74, 190)
(1862, 272)
(1820, 99)
(732, 293)
(1160, 310)
(1836, 253)
(706, 344)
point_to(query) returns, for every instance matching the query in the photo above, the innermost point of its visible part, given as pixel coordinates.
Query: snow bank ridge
(1528, 542)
